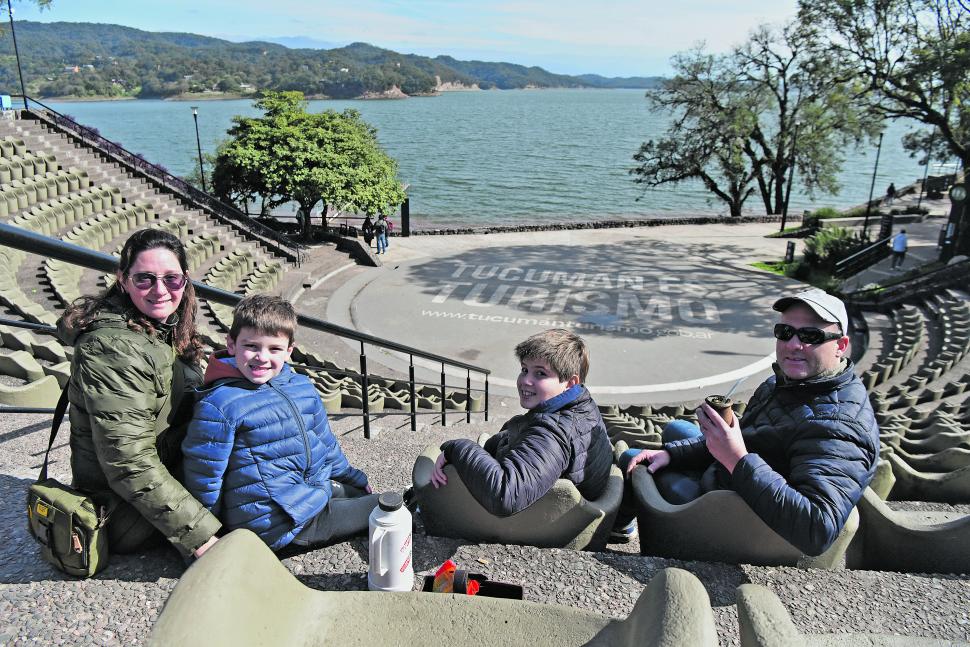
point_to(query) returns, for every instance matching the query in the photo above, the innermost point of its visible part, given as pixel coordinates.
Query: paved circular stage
(669, 313)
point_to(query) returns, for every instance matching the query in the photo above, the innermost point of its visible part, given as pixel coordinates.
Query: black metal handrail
(863, 258)
(914, 288)
(219, 210)
(35, 243)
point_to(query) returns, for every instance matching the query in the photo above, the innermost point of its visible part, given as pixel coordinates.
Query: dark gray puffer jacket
(564, 437)
(812, 446)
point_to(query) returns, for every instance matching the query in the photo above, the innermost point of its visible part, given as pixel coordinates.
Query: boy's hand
(438, 477)
(656, 459)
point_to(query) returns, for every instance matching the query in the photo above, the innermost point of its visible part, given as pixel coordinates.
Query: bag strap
(58, 417)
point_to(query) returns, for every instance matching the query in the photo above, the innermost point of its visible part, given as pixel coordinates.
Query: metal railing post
(442, 394)
(365, 395)
(486, 397)
(414, 401)
(468, 395)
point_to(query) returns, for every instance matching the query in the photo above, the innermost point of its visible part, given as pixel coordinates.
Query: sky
(611, 37)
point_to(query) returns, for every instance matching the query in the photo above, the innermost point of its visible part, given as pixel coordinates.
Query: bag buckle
(76, 542)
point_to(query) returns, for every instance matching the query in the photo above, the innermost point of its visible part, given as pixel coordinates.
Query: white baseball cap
(826, 306)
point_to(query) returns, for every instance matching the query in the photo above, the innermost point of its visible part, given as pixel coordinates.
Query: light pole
(955, 233)
(198, 143)
(865, 225)
(20, 71)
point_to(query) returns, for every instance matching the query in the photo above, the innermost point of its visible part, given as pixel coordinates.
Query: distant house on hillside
(72, 68)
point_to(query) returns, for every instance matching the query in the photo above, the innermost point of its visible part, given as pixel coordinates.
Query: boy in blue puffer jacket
(259, 452)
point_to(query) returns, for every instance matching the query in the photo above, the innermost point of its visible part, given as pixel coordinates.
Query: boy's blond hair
(268, 315)
(564, 351)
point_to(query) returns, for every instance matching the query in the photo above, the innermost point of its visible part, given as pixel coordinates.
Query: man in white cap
(808, 443)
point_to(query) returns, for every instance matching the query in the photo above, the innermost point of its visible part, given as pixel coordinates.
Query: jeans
(381, 243)
(675, 486)
(346, 515)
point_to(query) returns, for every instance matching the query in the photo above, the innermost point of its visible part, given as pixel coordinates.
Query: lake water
(496, 157)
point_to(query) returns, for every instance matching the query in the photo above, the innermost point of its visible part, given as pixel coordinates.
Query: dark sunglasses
(807, 335)
(146, 280)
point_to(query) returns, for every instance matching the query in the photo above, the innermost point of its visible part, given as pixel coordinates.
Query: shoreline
(598, 224)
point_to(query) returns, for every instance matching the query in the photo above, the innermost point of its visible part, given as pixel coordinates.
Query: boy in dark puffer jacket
(259, 452)
(562, 435)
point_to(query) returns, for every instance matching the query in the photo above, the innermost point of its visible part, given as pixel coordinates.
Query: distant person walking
(900, 244)
(891, 193)
(380, 228)
(367, 229)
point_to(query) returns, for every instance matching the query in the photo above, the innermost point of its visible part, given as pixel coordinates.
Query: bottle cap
(390, 501)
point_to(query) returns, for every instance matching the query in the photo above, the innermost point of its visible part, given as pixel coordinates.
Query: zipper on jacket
(299, 420)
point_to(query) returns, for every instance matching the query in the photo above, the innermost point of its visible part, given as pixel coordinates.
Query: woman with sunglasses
(136, 354)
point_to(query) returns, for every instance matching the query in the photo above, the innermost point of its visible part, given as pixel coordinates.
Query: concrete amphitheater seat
(936, 442)
(946, 460)
(884, 479)
(42, 392)
(910, 541)
(914, 485)
(720, 527)
(240, 595)
(764, 622)
(562, 518)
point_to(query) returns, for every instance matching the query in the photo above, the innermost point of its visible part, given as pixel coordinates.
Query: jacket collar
(823, 381)
(558, 402)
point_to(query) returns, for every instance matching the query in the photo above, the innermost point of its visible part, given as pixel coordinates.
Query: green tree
(752, 116)
(706, 140)
(807, 115)
(291, 155)
(912, 58)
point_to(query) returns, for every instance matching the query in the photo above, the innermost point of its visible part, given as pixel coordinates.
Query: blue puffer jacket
(563, 437)
(812, 446)
(262, 456)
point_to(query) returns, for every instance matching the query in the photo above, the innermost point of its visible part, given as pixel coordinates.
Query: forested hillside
(96, 60)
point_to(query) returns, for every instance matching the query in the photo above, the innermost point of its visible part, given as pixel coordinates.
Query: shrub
(912, 209)
(828, 246)
(826, 212)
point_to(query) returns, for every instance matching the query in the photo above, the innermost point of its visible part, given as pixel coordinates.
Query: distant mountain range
(97, 60)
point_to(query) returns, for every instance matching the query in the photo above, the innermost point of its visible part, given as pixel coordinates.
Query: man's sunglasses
(807, 335)
(146, 280)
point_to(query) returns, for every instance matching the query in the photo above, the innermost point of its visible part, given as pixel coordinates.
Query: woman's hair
(185, 339)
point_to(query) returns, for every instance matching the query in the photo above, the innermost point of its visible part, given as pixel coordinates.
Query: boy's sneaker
(624, 535)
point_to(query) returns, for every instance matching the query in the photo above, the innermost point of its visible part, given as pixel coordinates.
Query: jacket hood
(222, 367)
(104, 319)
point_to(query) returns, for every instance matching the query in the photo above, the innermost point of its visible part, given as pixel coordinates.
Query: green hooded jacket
(122, 402)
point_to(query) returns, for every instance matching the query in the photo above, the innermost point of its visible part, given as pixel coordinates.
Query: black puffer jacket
(812, 446)
(564, 437)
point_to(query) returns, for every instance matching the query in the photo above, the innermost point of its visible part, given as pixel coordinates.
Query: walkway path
(670, 312)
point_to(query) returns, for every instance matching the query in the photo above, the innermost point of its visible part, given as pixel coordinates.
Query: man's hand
(656, 459)
(438, 477)
(725, 443)
(197, 553)
(368, 489)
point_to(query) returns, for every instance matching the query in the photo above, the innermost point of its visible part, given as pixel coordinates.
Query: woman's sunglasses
(807, 335)
(147, 280)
